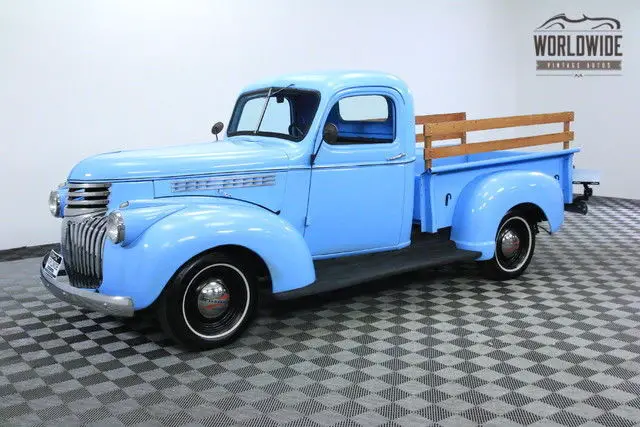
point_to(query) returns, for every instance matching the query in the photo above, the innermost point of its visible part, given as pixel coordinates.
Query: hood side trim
(222, 183)
(187, 176)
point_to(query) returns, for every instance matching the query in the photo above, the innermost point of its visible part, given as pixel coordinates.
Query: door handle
(396, 157)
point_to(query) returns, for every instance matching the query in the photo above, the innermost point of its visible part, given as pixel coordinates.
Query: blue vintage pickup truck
(320, 183)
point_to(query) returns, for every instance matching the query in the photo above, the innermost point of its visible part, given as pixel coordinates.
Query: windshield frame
(262, 93)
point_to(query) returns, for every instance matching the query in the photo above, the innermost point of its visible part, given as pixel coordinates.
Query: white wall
(606, 108)
(85, 76)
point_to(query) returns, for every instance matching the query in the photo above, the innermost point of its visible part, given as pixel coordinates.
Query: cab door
(357, 185)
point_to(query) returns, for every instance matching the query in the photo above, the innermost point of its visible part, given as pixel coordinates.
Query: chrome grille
(222, 183)
(82, 250)
(87, 198)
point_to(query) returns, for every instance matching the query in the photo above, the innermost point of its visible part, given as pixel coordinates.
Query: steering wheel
(295, 131)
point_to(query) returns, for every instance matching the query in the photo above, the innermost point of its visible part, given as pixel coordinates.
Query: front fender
(140, 215)
(485, 201)
(142, 268)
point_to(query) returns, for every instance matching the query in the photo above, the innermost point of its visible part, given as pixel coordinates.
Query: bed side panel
(442, 189)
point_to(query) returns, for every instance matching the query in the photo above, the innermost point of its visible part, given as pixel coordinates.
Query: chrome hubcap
(213, 299)
(509, 244)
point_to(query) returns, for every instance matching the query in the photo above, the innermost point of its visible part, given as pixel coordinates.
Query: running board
(338, 273)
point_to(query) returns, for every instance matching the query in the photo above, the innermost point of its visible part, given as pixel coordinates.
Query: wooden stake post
(438, 118)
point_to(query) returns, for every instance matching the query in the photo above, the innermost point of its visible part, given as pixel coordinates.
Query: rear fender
(486, 200)
(142, 268)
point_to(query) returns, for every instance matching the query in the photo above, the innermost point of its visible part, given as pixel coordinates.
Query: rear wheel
(515, 244)
(209, 302)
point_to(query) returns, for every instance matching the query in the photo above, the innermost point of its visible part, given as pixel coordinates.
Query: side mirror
(330, 133)
(217, 128)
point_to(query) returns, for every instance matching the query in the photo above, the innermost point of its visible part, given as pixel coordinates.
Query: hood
(195, 159)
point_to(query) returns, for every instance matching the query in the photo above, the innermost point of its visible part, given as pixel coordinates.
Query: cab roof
(329, 82)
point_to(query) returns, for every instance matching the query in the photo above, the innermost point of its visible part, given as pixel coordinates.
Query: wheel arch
(259, 266)
(485, 201)
(532, 212)
(239, 252)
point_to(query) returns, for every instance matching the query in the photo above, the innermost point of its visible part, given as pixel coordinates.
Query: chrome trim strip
(82, 243)
(121, 306)
(75, 184)
(83, 194)
(356, 165)
(98, 202)
(99, 247)
(82, 212)
(73, 230)
(207, 174)
(91, 234)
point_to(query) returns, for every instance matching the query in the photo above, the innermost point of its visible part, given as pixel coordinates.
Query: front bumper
(121, 306)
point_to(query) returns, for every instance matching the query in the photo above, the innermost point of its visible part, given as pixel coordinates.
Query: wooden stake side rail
(438, 127)
(442, 118)
(500, 144)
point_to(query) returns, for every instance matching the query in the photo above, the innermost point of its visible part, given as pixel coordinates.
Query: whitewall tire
(515, 244)
(209, 302)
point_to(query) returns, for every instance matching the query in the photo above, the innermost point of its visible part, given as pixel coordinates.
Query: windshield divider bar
(264, 110)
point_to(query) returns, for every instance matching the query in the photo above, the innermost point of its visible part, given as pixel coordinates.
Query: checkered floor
(560, 346)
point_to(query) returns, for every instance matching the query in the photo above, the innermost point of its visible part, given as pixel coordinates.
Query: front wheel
(515, 243)
(209, 302)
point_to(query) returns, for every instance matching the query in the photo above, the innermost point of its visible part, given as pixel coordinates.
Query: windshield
(279, 112)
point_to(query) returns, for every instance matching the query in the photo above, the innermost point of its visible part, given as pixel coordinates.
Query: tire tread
(173, 324)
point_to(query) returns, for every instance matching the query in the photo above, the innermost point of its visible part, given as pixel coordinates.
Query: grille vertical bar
(82, 248)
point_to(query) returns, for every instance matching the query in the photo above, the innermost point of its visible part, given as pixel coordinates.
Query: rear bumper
(121, 306)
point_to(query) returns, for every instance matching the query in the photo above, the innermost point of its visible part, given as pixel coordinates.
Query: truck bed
(438, 188)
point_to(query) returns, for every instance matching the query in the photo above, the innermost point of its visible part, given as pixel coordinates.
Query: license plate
(52, 266)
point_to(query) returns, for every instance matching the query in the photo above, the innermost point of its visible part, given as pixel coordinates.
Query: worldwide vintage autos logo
(578, 47)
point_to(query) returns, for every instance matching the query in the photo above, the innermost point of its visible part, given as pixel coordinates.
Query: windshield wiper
(266, 103)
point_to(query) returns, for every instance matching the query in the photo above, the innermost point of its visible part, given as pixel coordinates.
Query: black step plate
(336, 273)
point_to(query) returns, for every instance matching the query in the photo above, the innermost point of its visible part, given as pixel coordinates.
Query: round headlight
(115, 227)
(54, 203)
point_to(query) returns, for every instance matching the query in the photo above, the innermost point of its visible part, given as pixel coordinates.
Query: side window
(364, 108)
(364, 119)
